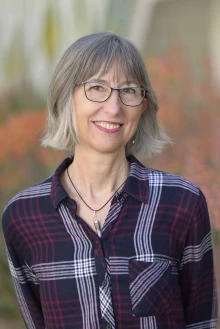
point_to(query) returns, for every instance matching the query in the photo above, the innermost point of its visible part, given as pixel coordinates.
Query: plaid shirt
(152, 268)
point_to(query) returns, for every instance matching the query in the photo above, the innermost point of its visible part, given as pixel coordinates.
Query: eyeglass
(100, 92)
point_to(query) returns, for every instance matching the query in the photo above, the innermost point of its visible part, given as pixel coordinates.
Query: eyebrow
(126, 82)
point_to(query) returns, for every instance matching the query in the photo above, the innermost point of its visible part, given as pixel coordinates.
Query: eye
(96, 88)
(128, 90)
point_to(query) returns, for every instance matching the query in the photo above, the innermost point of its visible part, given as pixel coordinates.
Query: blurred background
(180, 42)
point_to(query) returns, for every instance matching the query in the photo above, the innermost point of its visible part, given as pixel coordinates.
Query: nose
(113, 103)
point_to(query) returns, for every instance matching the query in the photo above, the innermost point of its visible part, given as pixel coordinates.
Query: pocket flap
(150, 287)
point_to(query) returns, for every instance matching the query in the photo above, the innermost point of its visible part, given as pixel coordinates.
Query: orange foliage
(20, 133)
(20, 151)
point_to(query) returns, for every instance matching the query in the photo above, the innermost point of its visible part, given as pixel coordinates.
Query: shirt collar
(137, 184)
(58, 193)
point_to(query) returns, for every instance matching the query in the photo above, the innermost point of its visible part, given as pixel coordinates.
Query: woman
(106, 242)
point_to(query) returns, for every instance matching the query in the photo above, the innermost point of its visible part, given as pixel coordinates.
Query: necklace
(96, 219)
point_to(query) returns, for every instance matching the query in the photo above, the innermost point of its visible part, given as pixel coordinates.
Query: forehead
(115, 73)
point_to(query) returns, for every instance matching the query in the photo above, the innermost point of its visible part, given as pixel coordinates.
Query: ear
(144, 105)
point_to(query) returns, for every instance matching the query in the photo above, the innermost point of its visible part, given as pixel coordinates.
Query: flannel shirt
(151, 269)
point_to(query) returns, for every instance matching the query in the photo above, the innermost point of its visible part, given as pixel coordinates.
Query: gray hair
(83, 59)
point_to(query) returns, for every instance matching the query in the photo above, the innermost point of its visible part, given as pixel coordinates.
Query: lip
(110, 131)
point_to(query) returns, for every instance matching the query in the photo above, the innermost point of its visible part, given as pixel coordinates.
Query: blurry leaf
(51, 33)
(14, 58)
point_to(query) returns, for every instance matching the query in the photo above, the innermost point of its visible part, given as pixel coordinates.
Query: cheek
(135, 122)
(135, 119)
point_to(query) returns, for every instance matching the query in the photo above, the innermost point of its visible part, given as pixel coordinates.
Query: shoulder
(25, 200)
(169, 190)
(178, 194)
(162, 179)
(172, 181)
(40, 189)
(36, 201)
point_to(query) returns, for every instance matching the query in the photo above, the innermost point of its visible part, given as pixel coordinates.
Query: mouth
(107, 125)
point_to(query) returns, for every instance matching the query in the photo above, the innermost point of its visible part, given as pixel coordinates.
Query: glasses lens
(97, 92)
(132, 96)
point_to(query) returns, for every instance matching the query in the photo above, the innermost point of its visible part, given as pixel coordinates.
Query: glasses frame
(117, 89)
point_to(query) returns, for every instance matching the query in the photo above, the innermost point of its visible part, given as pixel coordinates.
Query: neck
(98, 174)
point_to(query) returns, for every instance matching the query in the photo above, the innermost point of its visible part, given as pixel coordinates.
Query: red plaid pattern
(152, 268)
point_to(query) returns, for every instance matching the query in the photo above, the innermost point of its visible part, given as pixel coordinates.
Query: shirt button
(104, 283)
(108, 326)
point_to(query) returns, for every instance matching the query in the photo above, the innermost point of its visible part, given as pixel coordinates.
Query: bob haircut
(88, 55)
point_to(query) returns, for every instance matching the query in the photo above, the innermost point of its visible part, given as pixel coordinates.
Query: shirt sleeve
(197, 277)
(24, 280)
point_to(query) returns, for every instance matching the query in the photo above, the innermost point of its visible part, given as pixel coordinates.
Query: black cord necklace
(95, 219)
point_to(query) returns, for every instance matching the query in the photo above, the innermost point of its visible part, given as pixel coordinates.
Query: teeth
(107, 125)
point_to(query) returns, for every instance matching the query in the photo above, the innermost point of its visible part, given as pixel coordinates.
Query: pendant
(96, 221)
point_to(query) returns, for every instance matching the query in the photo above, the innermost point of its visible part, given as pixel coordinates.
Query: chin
(111, 149)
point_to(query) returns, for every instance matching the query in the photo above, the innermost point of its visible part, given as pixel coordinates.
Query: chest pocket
(151, 288)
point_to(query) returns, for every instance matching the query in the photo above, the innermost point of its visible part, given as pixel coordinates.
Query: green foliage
(51, 34)
(14, 58)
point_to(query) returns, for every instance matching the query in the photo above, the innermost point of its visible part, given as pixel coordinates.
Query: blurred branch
(51, 34)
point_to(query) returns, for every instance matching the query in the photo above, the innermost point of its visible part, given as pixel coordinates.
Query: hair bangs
(116, 54)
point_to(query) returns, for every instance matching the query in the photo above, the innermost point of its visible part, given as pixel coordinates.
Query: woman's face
(106, 127)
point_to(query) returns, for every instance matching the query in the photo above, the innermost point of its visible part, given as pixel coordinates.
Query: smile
(107, 125)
